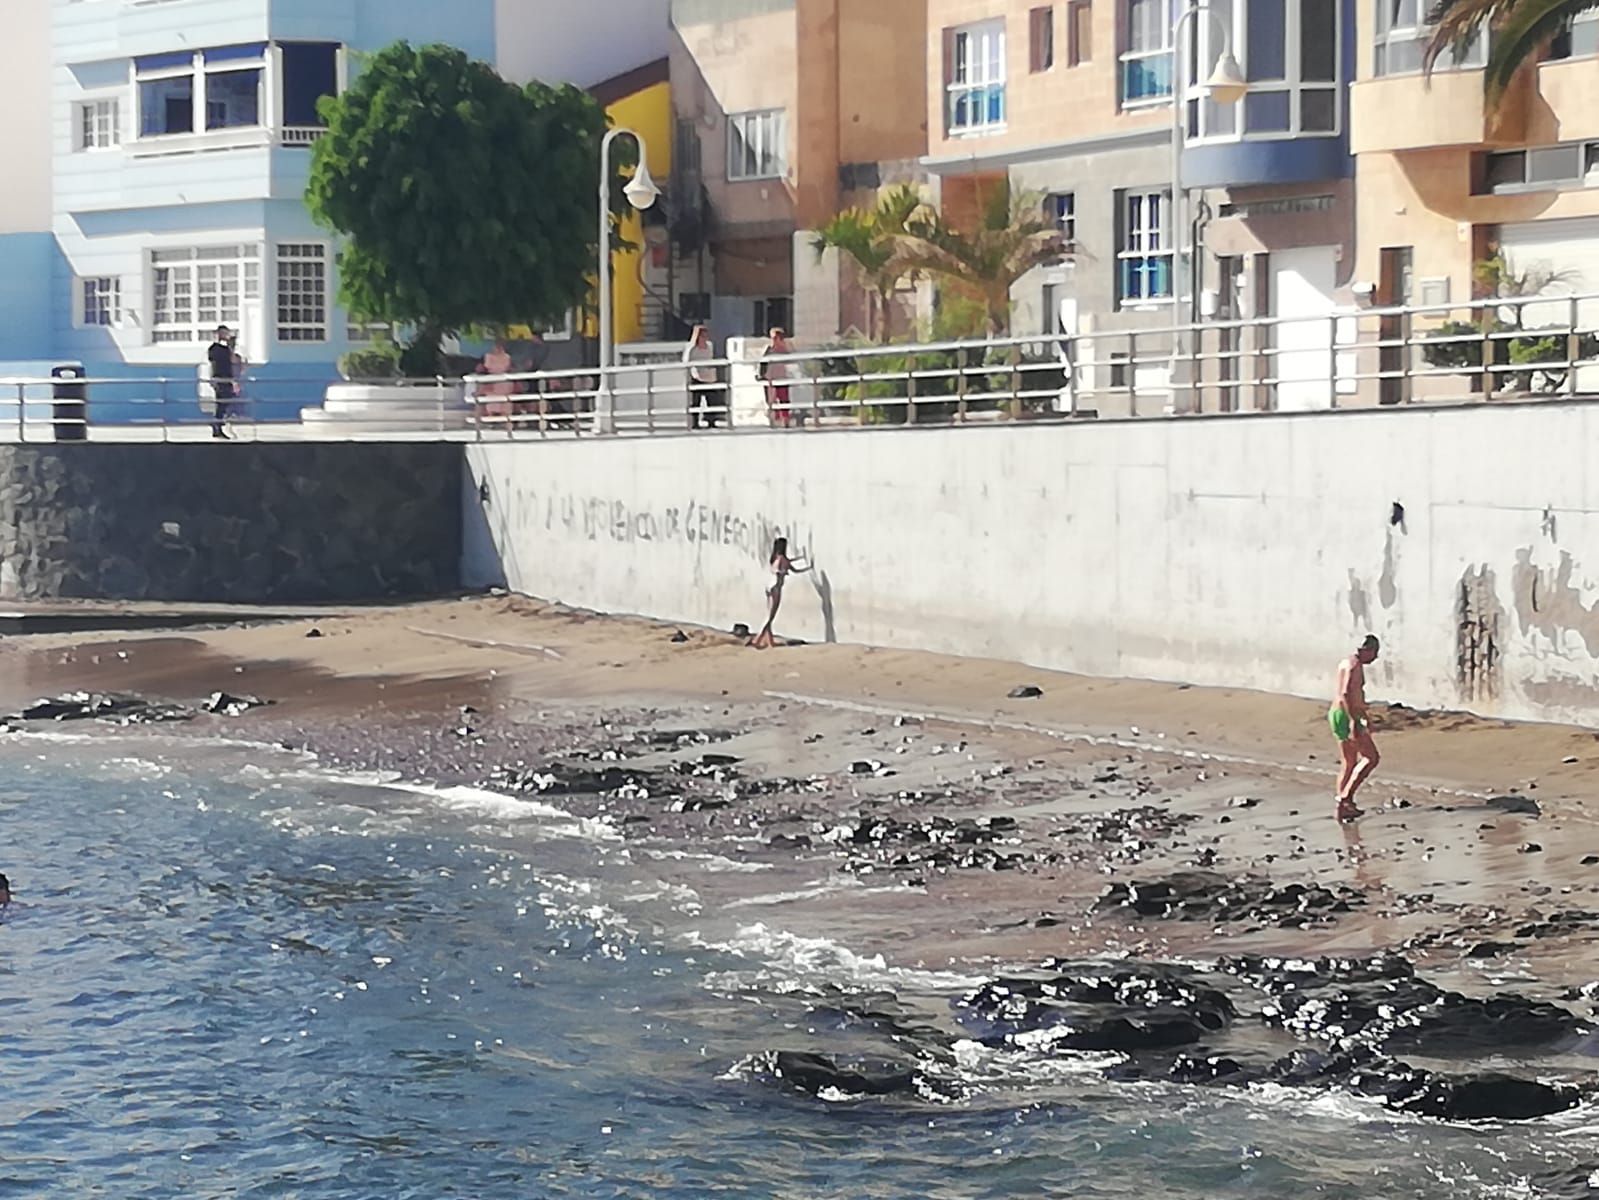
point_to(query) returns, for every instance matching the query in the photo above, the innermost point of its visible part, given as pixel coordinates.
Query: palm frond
(1519, 37)
(1457, 24)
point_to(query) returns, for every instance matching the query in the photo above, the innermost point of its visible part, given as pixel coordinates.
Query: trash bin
(69, 409)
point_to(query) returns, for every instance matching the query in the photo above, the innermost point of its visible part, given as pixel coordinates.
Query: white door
(1569, 250)
(1302, 283)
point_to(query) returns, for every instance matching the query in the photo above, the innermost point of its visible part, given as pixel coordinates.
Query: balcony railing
(1530, 349)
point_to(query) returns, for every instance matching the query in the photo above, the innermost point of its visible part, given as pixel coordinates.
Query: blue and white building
(157, 154)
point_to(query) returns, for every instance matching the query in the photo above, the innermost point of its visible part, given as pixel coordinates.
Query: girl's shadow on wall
(824, 592)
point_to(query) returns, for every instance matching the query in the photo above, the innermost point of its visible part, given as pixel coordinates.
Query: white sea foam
(991, 1065)
(707, 862)
(827, 887)
(825, 959)
(497, 805)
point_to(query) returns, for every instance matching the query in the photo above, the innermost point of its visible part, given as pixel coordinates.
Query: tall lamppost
(1226, 85)
(641, 193)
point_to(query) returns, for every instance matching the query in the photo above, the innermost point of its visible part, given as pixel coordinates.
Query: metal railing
(1481, 351)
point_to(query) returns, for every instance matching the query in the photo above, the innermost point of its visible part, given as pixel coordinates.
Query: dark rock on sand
(103, 706)
(227, 705)
(942, 842)
(1206, 896)
(1128, 833)
(1523, 806)
(1025, 691)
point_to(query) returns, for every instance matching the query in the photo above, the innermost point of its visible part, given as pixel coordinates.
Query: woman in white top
(782, 566)
(706, 396)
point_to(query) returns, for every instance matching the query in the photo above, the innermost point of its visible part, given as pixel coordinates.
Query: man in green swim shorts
(1350, 725)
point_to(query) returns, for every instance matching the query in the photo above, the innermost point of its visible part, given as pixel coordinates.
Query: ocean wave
(822, 959)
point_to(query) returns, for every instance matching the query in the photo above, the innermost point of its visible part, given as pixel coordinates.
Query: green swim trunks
(1343, 728)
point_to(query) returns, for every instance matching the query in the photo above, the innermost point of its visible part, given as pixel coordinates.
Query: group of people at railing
(508, 394)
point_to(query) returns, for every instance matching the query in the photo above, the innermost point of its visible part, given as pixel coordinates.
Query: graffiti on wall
(692, 523)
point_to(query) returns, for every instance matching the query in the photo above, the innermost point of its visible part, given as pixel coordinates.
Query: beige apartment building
(1072, 102)
(1442, 184)
(786, 112)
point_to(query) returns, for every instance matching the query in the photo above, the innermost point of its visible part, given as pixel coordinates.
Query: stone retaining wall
(235, 523)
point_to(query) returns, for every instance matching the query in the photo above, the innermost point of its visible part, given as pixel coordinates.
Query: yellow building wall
(649, 114)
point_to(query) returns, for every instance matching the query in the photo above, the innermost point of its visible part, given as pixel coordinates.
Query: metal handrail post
(1332, 361)
(1573, 348)
(1132, 372)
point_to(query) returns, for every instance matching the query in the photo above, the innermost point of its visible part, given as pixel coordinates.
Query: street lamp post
(1227, 86)
(641, 193)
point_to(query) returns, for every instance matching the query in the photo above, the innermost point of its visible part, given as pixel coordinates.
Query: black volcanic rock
(1207, 896)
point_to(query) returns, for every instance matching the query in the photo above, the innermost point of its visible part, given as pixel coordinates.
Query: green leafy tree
(871, 237)
(463, 200)
(1518, 33)
(1011, 237)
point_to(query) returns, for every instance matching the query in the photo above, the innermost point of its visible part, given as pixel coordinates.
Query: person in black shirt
(224, 384)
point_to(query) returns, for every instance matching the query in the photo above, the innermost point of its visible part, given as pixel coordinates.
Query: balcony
(1397, 113)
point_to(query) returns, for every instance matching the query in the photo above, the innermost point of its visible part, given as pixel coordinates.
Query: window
(775, 312)
(1041, 39)
(757, 145)
(195, 290)
(302, 292)
(310, 72)
(189, 93)
(1144, 248)
(99, 124)
(1291, 55)
(1402, 35)
(1062, 210)
(100, 302)
(1079, 33)
(1579, 39)
(1146, 64)
(975, 67)
(1541, 169)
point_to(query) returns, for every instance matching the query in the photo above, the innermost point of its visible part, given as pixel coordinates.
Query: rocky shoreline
(1170, 913)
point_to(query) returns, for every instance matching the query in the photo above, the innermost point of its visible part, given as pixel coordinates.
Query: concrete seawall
(253, 524)
(1244, 552)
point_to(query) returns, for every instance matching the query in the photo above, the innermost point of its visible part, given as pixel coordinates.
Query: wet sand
(901, 804)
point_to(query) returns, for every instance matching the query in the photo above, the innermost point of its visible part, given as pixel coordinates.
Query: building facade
(1071, 104)
(179, 137)
(787, 111)
(1450, 185)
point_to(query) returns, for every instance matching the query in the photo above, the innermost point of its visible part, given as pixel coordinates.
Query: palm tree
(1012, 236)
(872, 237)
(1518, 32)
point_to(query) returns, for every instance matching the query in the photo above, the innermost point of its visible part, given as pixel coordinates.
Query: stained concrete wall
(242, 523)
(1242, 551)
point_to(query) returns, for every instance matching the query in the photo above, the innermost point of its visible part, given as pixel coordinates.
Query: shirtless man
(1348, 718)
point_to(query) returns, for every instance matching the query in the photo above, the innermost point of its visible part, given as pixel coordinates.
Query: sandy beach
(1094, 781)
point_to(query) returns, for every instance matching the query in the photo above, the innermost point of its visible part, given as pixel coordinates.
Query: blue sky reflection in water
(220, 980)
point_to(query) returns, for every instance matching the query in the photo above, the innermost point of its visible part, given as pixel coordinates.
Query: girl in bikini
(782, 566)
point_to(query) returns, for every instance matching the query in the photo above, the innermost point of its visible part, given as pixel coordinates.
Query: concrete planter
(398, 407)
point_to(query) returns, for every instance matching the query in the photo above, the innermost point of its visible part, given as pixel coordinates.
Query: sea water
(223, 978)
